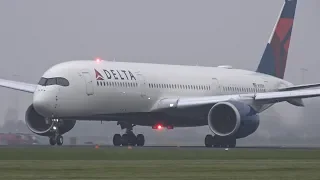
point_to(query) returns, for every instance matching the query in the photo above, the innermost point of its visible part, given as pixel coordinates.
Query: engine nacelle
(43, 126)
(233, 118)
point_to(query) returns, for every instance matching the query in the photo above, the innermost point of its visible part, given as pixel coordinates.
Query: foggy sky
(35, 35)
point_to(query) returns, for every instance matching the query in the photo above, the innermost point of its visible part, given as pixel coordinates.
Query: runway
(159, 147)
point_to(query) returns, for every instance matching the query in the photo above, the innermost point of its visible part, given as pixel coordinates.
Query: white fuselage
(137, 87)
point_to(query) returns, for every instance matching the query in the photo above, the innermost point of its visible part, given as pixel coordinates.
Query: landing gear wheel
(208, 141)
(232, 143)
(117, 140)
(125, 140)
(52, 141)
(223, 142)
(129, 138)
(140, 140)
(59, 140)
(132, 139)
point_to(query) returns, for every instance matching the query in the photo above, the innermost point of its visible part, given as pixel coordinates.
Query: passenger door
(215, 87)
(142, 85)
(88, 82)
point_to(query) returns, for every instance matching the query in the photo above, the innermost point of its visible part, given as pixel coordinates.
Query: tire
(140, 140)
(208, 140)
(59, 140)
(52, 141)
(117, 140)
(132, 139)
(125, 140)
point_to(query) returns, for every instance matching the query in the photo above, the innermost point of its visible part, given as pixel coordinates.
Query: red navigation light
(157, 126)
(98, 60)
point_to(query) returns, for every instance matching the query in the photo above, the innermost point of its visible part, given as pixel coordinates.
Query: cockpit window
(62, 81)
(51, 81)
(42, 81)
(54, 81)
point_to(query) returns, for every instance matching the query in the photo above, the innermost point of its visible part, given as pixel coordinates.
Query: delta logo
(98, 75)
(115, 74)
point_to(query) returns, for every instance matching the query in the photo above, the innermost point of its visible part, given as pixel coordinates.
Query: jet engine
(45, 126)
(233, 118)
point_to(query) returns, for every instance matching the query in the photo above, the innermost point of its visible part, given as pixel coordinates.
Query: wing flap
(20, 86)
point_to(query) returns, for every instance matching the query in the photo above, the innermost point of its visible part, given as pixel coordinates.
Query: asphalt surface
(151, 147)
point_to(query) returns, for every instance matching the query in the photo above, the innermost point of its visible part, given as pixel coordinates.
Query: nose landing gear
(56, 138)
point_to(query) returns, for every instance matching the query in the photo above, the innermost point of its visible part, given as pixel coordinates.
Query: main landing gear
(128, 138)
(218, 141)
(56, 138)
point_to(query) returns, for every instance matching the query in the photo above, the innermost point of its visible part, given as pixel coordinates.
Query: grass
(146, 163)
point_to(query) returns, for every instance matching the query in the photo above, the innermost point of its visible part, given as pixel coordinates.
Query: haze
(35, 35)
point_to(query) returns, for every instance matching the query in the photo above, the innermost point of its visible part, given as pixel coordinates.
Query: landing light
(159, 127)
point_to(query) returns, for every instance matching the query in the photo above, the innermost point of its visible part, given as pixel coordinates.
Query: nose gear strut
(56, 138)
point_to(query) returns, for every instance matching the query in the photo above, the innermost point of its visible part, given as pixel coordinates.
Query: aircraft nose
(42, 104)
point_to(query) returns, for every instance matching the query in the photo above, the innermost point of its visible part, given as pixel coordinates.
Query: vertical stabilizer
(274, 59)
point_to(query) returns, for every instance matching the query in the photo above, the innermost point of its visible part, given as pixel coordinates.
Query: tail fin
(274, 59)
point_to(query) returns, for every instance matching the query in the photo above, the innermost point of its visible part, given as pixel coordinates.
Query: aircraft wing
(20, 86)
(287, 95)
(303, 86)
(186, 102)
(262, 98)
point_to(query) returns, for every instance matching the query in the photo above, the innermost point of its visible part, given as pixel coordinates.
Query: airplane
(225, 99)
